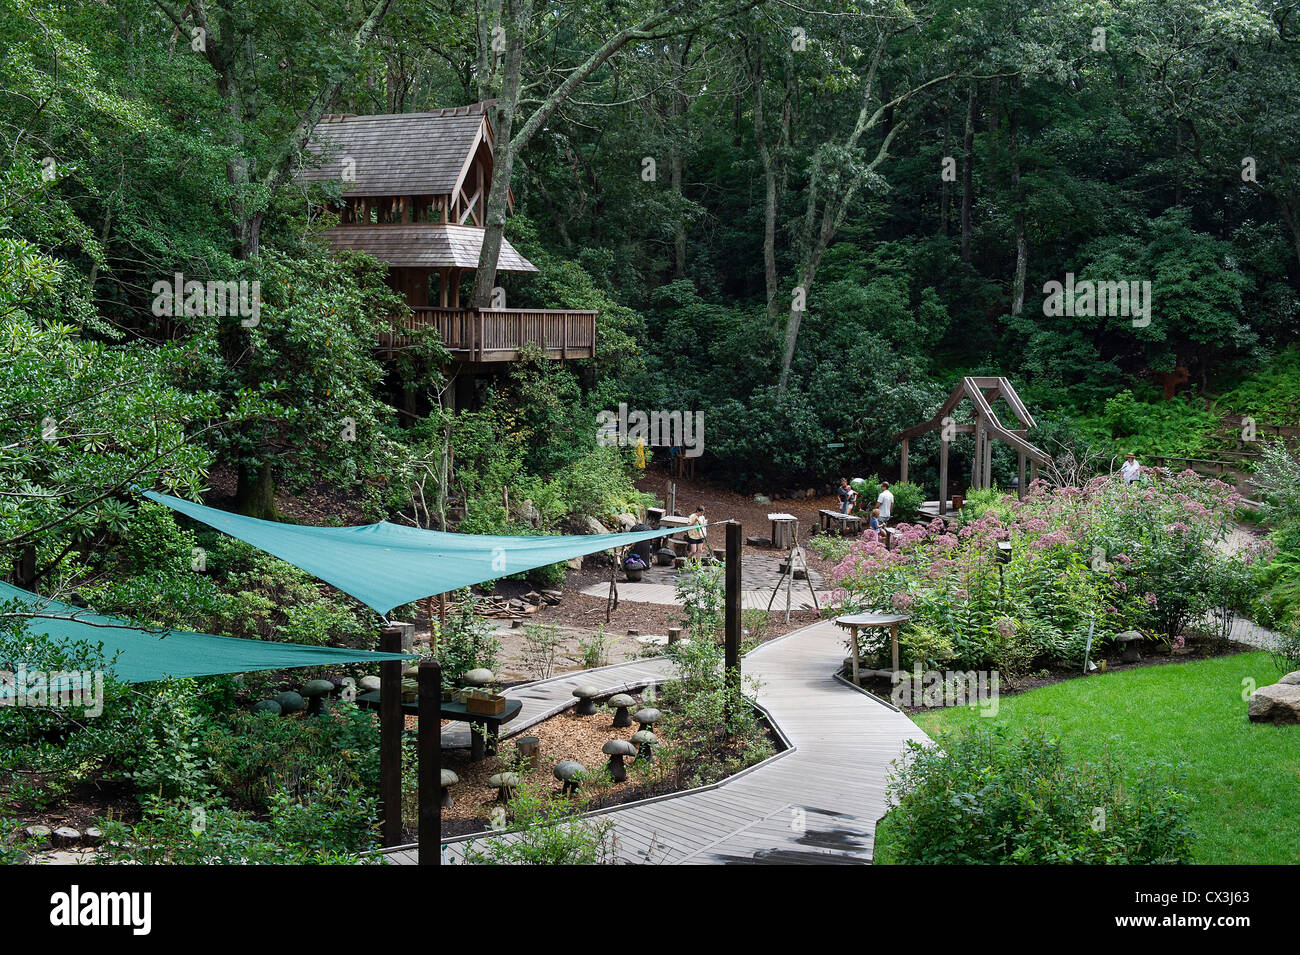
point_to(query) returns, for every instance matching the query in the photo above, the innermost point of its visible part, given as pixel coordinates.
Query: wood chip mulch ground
(564, 736)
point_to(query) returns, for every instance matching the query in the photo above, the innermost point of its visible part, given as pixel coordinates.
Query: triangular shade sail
(387, 565)
(144, 655)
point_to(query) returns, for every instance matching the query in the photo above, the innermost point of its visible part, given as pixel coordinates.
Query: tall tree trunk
(681, 134)
(510, 143)
(945, 188)
(967, 173)
(1022, 245)
(517, 15)
(834, 206)
(255, 493)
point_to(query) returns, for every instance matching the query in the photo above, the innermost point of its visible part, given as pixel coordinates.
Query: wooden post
(977, 465)
(391, 725)
(943, 474)
(429, 742)
(1020, 482)
(988, 460)
(732, 618)
(893, 648)
(902, 469)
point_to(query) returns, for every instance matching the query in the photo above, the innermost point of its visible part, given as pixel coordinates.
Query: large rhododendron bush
(1099, 559)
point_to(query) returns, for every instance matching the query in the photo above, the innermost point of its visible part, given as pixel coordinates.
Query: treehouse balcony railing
(500, 334)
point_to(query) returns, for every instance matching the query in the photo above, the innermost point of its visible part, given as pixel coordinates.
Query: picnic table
(866, 621)
(480, 744)
(836, 522)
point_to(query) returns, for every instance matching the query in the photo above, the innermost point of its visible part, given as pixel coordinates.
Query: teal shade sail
(143, 655)
(387, 565)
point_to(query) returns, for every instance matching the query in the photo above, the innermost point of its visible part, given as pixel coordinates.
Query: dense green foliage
(992, 796)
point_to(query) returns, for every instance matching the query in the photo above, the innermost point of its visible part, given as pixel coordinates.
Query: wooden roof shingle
(433, 245)
(395, 153)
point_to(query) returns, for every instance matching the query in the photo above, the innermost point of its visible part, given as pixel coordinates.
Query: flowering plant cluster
(1103, 558)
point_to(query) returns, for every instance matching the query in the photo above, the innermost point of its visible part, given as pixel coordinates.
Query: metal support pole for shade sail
(732, 618)
(429, 747)
(391, 725)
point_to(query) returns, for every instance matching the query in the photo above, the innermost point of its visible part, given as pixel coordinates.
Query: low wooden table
(835, 522)
(866, 621)
(480, 744)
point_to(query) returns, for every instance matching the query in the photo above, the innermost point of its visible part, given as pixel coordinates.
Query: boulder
(1278, 703)
(626, 521)
(589, 525)
(762, 499)
(1291, 679)
(368, 683)
(528, 512)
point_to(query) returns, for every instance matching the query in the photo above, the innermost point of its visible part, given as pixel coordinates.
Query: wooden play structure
(982, 393)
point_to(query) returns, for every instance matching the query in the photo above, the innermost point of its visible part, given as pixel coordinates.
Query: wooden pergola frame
(982, 392)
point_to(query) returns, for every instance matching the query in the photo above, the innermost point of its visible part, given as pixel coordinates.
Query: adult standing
(1131, 471)
(886, 502)
(848, 496)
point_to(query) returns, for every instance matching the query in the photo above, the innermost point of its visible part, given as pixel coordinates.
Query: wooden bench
(833, 522)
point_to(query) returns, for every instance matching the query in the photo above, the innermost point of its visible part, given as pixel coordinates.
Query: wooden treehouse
(982, 393)
(415, 188)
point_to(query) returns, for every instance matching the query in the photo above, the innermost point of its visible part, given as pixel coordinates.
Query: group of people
(880, 513)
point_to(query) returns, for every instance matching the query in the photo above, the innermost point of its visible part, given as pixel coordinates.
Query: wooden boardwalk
(816, 803)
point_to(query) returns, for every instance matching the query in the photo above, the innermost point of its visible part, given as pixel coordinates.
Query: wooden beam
(902, 471)
(988, 461)
(943, 475)
(391, 725)
(429, 748)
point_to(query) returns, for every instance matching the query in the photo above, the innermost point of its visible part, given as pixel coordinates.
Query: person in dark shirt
(848, 496)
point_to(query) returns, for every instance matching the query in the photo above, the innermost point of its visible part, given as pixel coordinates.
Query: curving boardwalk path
(815, 803)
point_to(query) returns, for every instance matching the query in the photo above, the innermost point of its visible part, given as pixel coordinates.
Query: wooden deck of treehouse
(498, 335)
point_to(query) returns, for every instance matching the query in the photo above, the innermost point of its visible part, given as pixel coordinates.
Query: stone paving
(757, 572)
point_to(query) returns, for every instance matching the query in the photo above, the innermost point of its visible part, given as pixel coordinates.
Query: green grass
(1245, 777)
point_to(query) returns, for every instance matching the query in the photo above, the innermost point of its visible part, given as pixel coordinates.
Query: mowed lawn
(1245, 777)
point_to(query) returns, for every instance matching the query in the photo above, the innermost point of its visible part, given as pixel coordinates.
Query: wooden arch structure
(982, 392)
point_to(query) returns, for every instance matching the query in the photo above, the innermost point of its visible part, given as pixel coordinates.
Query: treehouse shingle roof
(432, 245)
(396, 153)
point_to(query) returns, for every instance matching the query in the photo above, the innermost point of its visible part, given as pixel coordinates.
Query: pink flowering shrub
(1106, 555)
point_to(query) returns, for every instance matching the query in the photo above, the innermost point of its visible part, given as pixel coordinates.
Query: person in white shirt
(886, 502)
(1131, 470)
